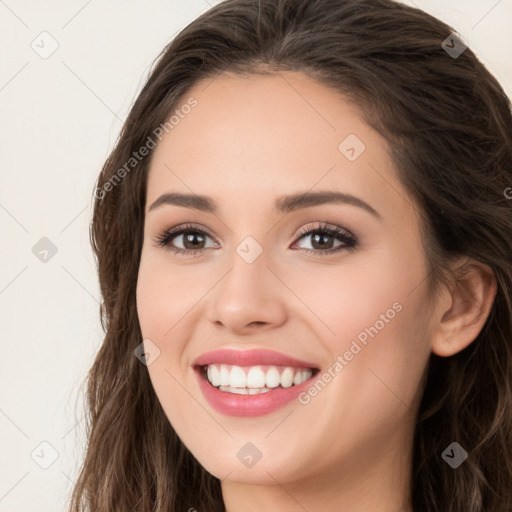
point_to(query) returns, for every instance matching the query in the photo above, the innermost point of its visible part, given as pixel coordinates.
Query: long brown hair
(449, 126)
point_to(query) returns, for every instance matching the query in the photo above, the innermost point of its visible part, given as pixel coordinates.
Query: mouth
(249, 383)
(254, 380)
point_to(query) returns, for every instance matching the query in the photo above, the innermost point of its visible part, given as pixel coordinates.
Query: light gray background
(59, 119)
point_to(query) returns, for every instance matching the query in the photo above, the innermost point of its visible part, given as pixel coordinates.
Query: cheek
(164, 295)
(364, 295)
(375, 311)
(160, 306)
(369, 391)
(379, 351)
(167, 309)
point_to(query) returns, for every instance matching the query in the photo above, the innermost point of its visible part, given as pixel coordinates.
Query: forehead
(249, 137)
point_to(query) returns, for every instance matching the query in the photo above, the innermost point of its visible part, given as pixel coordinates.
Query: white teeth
(243, 391)
(254, 380)
(224, 375)
(306, 374)
(287, 377)
(231, 389)
(214, 375)
(237, 378)
(256, 377)
(272, 378)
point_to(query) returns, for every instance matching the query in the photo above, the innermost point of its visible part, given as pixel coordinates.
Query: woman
(303, 239)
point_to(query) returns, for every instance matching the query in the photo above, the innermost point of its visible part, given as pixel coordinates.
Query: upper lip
(250, 357)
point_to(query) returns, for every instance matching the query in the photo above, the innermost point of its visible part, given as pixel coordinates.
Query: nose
(248, 298)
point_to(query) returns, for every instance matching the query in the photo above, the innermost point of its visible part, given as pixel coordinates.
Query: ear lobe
(465, 308)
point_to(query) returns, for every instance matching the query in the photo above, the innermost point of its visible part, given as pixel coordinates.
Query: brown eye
(191, 239)
(323, 239)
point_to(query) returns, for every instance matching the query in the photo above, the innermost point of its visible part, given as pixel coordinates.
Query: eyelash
(349, 240)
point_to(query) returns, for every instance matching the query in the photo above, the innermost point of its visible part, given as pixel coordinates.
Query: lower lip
(233, 404)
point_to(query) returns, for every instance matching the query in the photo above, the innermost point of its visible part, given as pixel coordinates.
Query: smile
(248, 383)
(254, 379)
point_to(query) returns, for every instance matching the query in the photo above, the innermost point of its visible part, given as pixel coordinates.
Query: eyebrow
(284, 204)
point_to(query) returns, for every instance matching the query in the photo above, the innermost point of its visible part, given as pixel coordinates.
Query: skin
(249, 141)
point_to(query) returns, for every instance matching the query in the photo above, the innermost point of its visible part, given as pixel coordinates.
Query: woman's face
(356, 313)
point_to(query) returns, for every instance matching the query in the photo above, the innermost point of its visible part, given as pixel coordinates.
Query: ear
(464, 307)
